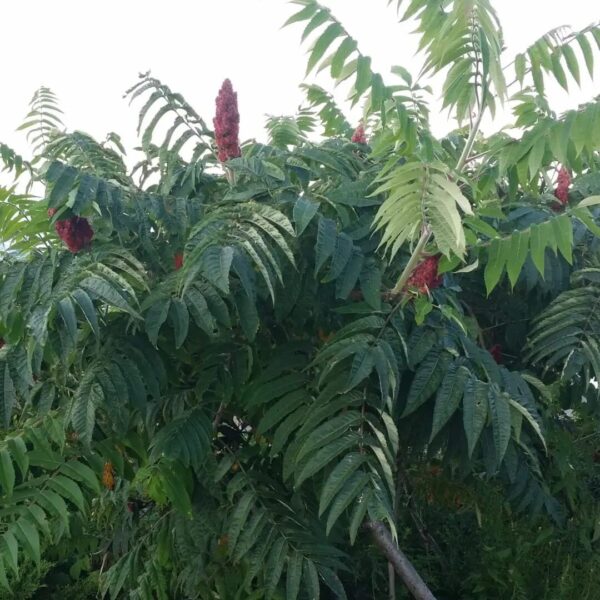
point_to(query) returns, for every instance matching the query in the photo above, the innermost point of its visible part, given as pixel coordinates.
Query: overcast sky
(89, 52)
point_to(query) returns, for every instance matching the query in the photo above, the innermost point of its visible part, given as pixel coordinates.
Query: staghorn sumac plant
(357, 367)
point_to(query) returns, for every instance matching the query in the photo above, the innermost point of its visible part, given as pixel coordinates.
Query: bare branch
(403, 567)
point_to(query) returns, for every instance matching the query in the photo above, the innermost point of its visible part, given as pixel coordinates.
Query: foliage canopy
(239, 365)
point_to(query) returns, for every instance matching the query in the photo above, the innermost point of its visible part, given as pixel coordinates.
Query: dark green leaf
(179, 316)
(304, 211)
(475, 410)
(448, 397)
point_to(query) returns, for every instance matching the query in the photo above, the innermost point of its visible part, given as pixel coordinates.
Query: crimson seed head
(227, 123)
(178, 260)
(562, 186)
(75, 232)
(564, 177)
(425, 276)
(496, 352)
(359, 136)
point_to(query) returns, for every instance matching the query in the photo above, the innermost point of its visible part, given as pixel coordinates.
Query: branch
(470, 142)
(219, 416)
(403, 567)
(414, 259)
(426, 233)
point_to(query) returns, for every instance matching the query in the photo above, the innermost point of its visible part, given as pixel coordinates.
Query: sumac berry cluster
(561, 193)
(359, 136)
(425, 276)
(227, 123)
(108, 476)
(178, 261)
(75, 232)
(496, 352)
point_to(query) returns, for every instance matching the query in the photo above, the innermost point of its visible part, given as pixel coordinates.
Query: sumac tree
(265, 371)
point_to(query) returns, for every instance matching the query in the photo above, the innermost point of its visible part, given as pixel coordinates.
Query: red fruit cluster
(75, 232)
(496, 352)
(359, 136)
(425, 277)
(562, 188)
(227, 123)
(178, 260)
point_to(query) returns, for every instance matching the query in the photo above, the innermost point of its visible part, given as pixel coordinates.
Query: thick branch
(403, 567)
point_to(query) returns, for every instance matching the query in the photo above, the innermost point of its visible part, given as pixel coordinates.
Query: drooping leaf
(501, 422)
(293, 576)
(179, 315)
(8, 398)
(346, 467)
(326, 237)
(449, 396)
(216, 264)
(304, 211)
(426, 381)
(27, 534)
(7, 473)
(475, 410)
(155, 317)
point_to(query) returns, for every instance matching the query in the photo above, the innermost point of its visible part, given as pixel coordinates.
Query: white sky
(88, 52)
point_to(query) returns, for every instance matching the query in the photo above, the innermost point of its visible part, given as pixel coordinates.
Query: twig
(391, 581)
(477, 156)
(218, 416)
(505, 324)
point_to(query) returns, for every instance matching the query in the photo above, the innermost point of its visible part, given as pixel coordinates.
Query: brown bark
(403, 567)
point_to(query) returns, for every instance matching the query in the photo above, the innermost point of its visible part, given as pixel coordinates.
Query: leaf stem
(426, 233)
(470, 142)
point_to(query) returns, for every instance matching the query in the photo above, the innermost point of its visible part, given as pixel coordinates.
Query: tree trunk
(403, 567)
